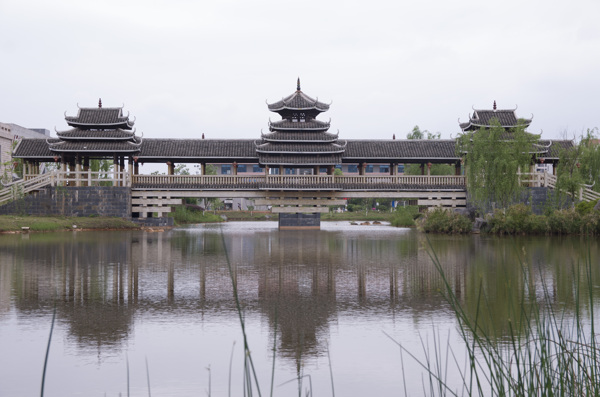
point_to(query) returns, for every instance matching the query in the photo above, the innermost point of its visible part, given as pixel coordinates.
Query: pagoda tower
(96, 133)
(482, 118)
(299, 140)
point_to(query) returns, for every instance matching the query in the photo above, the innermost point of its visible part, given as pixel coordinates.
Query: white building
(9, 133)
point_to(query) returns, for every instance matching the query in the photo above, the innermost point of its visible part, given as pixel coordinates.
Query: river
(325, 308)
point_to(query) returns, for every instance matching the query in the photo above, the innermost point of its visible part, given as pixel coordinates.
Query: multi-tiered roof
(482, 118)
(97, 131)
(299, 139)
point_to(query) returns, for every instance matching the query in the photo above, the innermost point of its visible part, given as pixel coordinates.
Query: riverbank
(12, 224)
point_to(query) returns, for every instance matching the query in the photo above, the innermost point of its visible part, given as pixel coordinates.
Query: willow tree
(493, 157)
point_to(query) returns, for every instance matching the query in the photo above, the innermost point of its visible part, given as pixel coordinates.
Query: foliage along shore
(518, 220)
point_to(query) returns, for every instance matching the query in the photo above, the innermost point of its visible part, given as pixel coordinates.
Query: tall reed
(547, 350)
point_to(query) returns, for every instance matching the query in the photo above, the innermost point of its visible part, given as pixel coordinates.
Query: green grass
(10, 223)
(541, 350)
(183, 215)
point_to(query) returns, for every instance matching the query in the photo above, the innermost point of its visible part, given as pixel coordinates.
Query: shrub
(445, 221)
(564, 222)
(404, 217)
(517, 219)
(590, 223)
(585, 207)
(186, 215)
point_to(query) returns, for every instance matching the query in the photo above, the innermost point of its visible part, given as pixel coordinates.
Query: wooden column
(86, 170)
(422, 168)
(361, 168)
(317, 169)
(78, 170)
(122, 167)
(457, 168)
(428, 169)
(203, 168)
(130, 170)
(234, 168)
(115, 170)
(171, 168)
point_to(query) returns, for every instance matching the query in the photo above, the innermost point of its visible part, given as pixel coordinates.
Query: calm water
(323, 298)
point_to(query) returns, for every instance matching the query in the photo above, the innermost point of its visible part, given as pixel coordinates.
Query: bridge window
(226, 169)
(401, 168)
(242, 168)
(384, 168)
(352, 168)
(322, 170)
(290, 171)
(369, 168)
(257, 168)
(274, 171)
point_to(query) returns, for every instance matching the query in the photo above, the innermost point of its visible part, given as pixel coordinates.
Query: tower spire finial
(100, 102)
(298, 84)
(494, 105)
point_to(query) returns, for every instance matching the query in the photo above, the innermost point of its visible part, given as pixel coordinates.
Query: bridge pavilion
(298, 141)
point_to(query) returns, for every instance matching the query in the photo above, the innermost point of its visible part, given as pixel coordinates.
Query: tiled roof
(298, 101)
(300, 136)
(356, 150)
(483, 118)
(95, 147)
(198, 148)
(77, 133)
(399, 150)
(290, 159)
(293, 148)
(554, 148)
(100, 116)
(300, 125)
(34, 148)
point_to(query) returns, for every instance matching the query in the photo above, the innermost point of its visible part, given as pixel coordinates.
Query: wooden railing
(86, 178)
(16, 190)
(197, 179)
(548, 180)
(294, 180)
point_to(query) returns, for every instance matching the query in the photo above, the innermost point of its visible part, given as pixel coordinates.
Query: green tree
(590, 158)
(493, 157)
(181, 169)
(436, 169)
(103, 167)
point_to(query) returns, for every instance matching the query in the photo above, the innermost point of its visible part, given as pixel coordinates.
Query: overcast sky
(184, 68)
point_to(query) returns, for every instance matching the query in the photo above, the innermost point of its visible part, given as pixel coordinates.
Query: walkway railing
(548, 180)
(86, 178)
(295, 180)
(16, 190)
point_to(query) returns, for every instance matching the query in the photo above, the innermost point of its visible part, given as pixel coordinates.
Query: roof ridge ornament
(298, 85)
(99, 103)
(494, 105)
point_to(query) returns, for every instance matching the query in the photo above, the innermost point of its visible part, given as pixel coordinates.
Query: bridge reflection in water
(300, 281)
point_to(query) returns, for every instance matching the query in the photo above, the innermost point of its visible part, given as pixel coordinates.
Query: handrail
(229, 180)
(16, 189)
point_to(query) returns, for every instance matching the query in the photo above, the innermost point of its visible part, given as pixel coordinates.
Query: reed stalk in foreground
(249, 371)
(546, 352)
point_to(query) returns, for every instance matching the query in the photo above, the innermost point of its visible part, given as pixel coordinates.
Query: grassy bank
(10, 223)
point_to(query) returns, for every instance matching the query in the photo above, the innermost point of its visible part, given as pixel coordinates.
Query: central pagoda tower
(299, 140)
